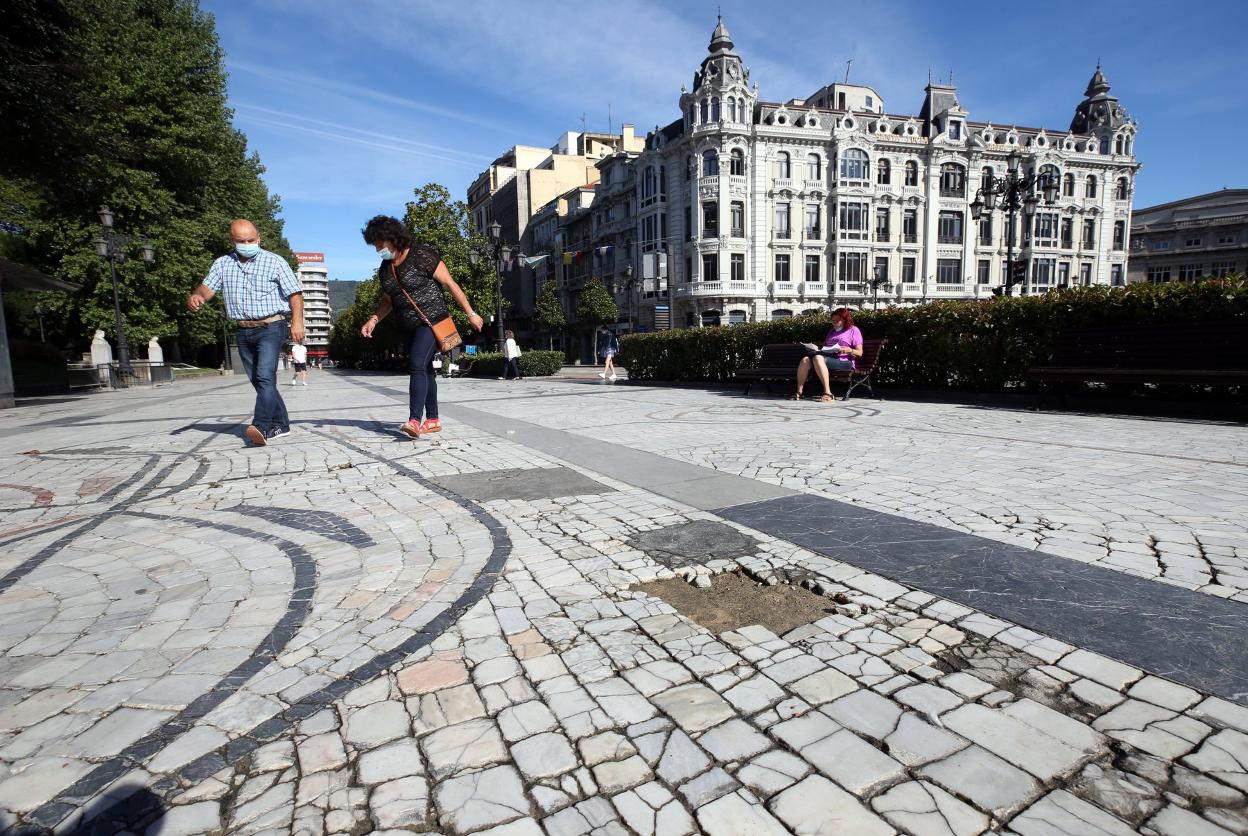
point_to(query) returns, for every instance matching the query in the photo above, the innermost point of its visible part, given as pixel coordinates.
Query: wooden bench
(1194, 353)
(778, 363)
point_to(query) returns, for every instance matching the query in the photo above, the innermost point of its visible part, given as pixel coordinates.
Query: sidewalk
(978, 619)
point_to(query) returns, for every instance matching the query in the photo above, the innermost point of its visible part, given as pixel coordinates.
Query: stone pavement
(348, 632)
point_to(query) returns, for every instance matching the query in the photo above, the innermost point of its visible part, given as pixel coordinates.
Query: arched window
(883, 172)
(1119, 144)
(715, 109)
(688, 167)
(647, 183)
(1048, 172)
(986, 175)
(710, 163)
(705, 111)
(1104, 145)
(710, 319)
(855, 165)
(912, 173)
(783, 168)
(952, 180)
(1089, 189)
(732, 110)
(736, 163)
(781, 313)
(1124, 189)
(1068, 185)
(814, 167)
(741, 109)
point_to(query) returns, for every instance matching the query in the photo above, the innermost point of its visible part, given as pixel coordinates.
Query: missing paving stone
(694, 543)
(735, 600)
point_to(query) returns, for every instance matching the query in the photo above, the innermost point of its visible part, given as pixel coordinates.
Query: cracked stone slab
(478, 799)
(694, 543)
(522, 483)
(921, 807)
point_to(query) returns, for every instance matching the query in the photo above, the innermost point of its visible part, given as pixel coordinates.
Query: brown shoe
(255, 436)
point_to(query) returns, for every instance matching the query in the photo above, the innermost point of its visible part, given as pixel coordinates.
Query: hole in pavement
(734, 600)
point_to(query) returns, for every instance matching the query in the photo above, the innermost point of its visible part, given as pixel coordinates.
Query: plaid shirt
(255, 289)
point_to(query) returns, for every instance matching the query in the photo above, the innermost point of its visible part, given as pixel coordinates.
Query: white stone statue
(101, 351)
(154, 352)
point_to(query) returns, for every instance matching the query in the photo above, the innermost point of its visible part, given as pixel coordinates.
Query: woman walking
(511, 352)
(610, 348)
(412, 279)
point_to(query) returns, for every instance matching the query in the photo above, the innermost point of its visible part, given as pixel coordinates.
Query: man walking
(299, 359)
(260, 290)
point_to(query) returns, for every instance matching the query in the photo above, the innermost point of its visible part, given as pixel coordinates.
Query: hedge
(532, 364)
(960, 345)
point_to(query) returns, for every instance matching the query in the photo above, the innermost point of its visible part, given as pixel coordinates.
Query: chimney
(626, 136)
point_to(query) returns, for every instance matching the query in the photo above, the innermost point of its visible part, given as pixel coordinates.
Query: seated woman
(840, 347)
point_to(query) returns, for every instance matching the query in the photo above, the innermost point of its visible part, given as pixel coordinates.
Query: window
(1124, 190)
(949, 228)
(1045, 228)
(1042, 271)
(1190, 272)
(710, 163)
(952, 180)
(912, 173)
(710, 267)
(1158, 275)
(705, 110)
(1118, 144)
(1068, 235)
(1089, 234)
(910, 226)
(983, 271)
(662, 181)
(870, 102)
(688, 224)
(781, 273)
(648, 184)
(1104, 148)
(814, 167)
(736, 163)
(852, 267)
(948, 271)
(955, 129)
(881, 224)
(986, 175)
(710, 219)
(985, 231)
(907, 271)
(688, 168)
(782, 313)
(688, 268)
(736, 266)
(855, 165)
(1161, 245)
(883, 172)
(782, 220)
(738, 219)
(840, 101)
(1190, 242)
(880, 271)
(1085, 274)
(1222, 269)
(783, 166)
(710, 319)
(1068, 185)
(1115, 275)
(812, 221)
(715, 109)
(1089, 188)
(853, 221)
(732, 110)
(1226, 238)
(1063, 273)
(812, 269)
(1120, 235)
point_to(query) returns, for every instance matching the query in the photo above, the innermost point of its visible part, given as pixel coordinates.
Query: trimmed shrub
(982, 346)
(532, 364)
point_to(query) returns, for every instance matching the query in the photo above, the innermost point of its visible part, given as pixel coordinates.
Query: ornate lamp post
(630, 283)
(500, 252)
(1015, 191)
(879, 282)
(111, 246)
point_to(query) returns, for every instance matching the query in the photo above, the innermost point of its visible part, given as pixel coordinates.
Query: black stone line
(50, 814)
(1190, 637)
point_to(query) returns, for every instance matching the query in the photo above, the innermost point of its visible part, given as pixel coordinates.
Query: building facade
(1187, 239)
(314, 278)
(769, 209)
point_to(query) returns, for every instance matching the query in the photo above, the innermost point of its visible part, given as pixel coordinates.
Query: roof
(1231, 194)
(15, 276)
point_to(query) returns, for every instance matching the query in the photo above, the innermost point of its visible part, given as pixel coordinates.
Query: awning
(15, 276)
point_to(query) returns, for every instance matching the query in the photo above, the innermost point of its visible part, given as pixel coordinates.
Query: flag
(567, 258)
(530, 260)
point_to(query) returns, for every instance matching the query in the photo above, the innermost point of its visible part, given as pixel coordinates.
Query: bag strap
(419, 312)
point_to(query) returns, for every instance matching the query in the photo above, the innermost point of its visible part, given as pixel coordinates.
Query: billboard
(310, 258)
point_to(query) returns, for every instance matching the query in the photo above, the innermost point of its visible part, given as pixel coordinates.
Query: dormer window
(870, 102)
(955, 129)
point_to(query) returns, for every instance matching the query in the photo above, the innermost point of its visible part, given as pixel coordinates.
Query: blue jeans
(422, 385)
(512, 369)
(259, 349)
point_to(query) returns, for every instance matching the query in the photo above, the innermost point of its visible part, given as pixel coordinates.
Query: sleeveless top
(415, 275)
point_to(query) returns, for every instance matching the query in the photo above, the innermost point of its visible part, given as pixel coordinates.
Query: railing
(854, 234)
(814, 232)
(882, 235)
(944, 192)
(781, 183)
(948, 239)
(810, 185)
(782, 234)
(711, 231)
(711, 181)
(110, 375)
(813, 288)
(909, 238)
(738, 232)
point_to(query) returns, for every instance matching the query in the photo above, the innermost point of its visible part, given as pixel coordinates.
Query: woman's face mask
(386, 253)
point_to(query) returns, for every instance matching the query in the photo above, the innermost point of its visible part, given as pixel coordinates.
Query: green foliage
(434, 218)
(532, 364)
(548, 311)
(347, 345)
(594, 305)
(967, 345)
(121, 102)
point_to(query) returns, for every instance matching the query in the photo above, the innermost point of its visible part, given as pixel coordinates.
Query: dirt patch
(737, 601)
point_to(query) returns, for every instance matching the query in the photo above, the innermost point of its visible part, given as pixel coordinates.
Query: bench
(778, 363)
(1193, 353)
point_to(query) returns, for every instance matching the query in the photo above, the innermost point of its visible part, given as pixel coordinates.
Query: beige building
(1187, 239)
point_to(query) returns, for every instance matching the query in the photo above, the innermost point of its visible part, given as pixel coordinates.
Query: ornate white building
(772, 209)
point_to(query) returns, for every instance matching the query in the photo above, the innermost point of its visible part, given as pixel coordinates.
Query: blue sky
(354, 103)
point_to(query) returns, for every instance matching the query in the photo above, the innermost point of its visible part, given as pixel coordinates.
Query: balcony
(814, 233)
(814, 288)
(909, 238)
(711, 182)
(882, 236)
(781, 235)
(948, 239)
(813, 185)
(947, 192)
(737, 232)
(854, 235)
(711, 231)
(782, 183)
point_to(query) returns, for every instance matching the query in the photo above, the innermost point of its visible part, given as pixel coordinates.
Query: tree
(548, 310)
(122, 102)
(434, 218)
(594, 307)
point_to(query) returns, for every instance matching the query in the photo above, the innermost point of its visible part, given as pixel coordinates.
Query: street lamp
(111, 246)
(500, 252)
(629, 285)
(879, 282)
(39, 313)
(1016, 191)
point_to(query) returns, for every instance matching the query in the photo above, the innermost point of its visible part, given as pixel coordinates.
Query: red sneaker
(411, 428)
(431, 425)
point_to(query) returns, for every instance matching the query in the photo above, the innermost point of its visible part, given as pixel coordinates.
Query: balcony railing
(854, 234)
(810, 185)
(814, 288)
(909, 238)
(781, 183)
(948, 239)
(738, 232)
(782, 234)
(882, 235)
(710, 182)
(946, 192)
(710, 231)
(814, 232)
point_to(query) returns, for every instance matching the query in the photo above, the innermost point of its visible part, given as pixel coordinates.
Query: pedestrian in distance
(511, 353)
(299, 359)
(261, 292)
(610, 348)
(413, 278)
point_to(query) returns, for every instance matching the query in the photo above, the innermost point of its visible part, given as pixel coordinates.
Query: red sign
(310, 258)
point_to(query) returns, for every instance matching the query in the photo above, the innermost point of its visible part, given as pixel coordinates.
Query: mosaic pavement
(347, 632)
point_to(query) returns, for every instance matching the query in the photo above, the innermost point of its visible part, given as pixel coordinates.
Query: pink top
(851, 337)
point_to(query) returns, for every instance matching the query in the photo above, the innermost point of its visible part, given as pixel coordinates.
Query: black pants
(512, 369)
